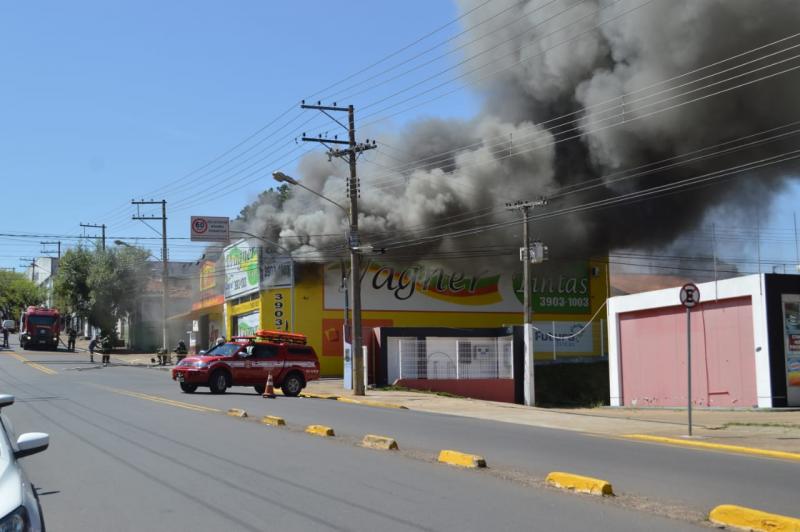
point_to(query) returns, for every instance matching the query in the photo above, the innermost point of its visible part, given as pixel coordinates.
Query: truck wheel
(188, 388)
(260, 388)
(218, 382)
(292, 385)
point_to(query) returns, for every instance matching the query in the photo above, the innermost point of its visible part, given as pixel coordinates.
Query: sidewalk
(777, 430)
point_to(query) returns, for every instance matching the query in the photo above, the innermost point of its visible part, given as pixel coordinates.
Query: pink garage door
(653, 354)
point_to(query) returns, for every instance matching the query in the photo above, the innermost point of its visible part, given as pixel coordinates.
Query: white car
(19, 504)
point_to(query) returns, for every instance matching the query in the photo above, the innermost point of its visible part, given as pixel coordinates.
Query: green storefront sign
(559, 290)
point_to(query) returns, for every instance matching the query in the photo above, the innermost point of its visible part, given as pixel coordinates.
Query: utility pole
(164, 259)
(32, 263)
(53, 243)
(352, 152)
(102, 227)
(529, 253)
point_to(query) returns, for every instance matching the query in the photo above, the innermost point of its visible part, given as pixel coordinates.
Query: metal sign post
(690, 297)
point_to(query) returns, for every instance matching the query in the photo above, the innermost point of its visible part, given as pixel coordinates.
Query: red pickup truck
(248, 361)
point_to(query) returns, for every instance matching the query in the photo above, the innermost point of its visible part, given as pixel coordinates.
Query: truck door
(268, 360)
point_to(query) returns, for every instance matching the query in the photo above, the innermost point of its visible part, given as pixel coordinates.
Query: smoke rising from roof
(599, 63)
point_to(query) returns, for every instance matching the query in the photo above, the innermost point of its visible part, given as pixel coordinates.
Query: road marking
(715, 446)
(157, 399)
(34, 365)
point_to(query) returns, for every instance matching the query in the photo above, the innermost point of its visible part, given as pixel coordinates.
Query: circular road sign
(690, 295)
(200, 225)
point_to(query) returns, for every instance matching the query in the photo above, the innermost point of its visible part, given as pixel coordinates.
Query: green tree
(16, 293)
(102, 285)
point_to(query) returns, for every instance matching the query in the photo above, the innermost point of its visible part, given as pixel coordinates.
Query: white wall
(750, 285)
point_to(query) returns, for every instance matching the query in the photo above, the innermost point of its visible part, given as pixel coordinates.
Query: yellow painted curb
(275, 421)
(579, 483)
(383, 443)
(237, 412)
(716, 446)
(318, 396)
(320, 430)
(367, 402)
(749, 519)
(460, 459)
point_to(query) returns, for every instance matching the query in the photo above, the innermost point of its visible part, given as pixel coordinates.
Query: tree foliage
(16, 293)
(102, 285)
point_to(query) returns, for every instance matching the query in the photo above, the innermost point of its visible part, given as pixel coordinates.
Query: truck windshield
(224, 350)
(41, 320)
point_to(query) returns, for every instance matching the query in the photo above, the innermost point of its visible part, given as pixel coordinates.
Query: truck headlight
(16, 521)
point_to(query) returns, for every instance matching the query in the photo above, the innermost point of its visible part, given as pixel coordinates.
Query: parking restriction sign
(690, 295)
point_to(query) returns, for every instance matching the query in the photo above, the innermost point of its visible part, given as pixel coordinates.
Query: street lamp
(355, 283)
(288, 255)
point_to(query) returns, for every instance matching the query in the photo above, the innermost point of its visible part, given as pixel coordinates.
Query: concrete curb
(308, 395)
(382, 443)
(237, 412)
(459, 459)
(320, 430)
(273, 421)
(367, 402)
(749, 519)
(784, 455)
(579, 483)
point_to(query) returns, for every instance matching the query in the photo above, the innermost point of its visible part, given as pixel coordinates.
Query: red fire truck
(248, 361)
(39, 327)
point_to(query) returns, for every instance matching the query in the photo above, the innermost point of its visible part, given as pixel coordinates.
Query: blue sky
(107, 101)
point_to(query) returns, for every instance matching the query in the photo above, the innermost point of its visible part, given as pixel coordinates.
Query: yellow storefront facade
(568, 304)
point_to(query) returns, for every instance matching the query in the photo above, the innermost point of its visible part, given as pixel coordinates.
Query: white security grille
(455, 358)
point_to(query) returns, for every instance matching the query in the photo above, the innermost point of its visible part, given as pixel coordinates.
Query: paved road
(123, 458)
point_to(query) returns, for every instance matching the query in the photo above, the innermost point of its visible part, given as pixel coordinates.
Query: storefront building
(268, 292)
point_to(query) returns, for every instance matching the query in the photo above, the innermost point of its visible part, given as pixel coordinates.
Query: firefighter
(92, 345)
(72, 334)
(105, 348)
(181, 349)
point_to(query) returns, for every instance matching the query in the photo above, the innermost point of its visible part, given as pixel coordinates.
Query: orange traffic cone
(269, 391)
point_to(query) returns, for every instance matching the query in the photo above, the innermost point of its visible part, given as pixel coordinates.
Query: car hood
(11, 480)
(202, 358)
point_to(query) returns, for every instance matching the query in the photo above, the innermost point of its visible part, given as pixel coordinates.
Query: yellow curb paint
(579, 483)
(274, 421)
(367, 402)
(749, 519)
(383, 443)
(237, 412)
(318, 396)
(460, 459)
(716, 446)
(320, 430)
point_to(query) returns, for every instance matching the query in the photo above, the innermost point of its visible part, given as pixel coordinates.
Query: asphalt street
(129, 451)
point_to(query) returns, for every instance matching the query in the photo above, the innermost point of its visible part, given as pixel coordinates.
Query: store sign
(278, 273)
(791, 343)
(242, 272)
(210, 229)
(563, 336)
(248, 324)
(461, 287)
(208, 275)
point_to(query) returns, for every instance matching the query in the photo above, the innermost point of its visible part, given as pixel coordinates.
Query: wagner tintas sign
(242, 270)
(210, 229)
